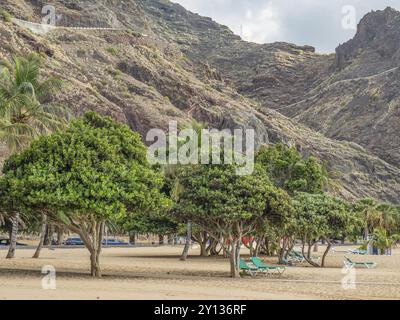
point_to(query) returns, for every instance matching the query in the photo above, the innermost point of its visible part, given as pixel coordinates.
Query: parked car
(6, 243)
(73, 242)
(114, 242)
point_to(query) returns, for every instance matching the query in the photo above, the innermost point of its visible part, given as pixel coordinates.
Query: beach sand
(157, 273)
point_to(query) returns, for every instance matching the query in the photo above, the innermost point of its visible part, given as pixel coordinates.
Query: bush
(112, 51)
(6, 16)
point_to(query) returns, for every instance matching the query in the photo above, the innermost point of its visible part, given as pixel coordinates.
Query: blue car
(73, 242)
(6, 243)
(114, 242)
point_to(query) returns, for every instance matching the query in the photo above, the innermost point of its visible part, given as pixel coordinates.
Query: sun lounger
(299, 256)
(358, 251)
(249, 269)
(295, 257)
(349, 263)
(266, 268)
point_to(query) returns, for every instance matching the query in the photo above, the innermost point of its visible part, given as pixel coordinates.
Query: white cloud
(312, 22)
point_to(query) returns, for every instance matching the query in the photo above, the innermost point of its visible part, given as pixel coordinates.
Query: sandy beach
(157, 273)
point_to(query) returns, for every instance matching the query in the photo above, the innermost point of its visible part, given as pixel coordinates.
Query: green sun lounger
(358, 251)
(266, 268)
(349, 263)
(246, 268)
(295, 257)
(301, 258)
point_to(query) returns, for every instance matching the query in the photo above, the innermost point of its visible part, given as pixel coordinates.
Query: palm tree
(170, 172)
(377, 215)
(25, 111)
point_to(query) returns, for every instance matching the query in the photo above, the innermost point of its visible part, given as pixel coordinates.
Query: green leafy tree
(290, 171)
(224, 204)
(95, 171)
(321, 217)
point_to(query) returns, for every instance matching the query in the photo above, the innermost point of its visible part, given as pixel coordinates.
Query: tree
(93, 172)
(377, 215)
(321, 217)
(159, 224)
(223, 203)
(292, 172)
(26, 111)
(25, 108)
(383, 241)
(173, 187)
(289, 170)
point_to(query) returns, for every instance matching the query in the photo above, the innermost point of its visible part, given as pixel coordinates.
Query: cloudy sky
(320, 23)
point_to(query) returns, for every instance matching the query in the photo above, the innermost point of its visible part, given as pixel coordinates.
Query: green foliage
(6, 16)
(321, 216)
(25, 111)
(156, 224)
(97, 169)
(217, 199)
(290, 171)
(383, 241)
(112, 50)
(377, 215)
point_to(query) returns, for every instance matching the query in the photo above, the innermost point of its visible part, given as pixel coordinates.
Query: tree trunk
(42, 236)
(258, 246)
(92, 236)
(160, 239)
(326, 253)
(47, 236)
(203, 250)
(13, 237)
(212, 248)
(366, 233)
(170, 239)
(266, 246)
(203, 240)
(282, 252)
(234, 258)
(60, 236)
(95, 270)
(132, 238)
(188, 240)
(308, 256)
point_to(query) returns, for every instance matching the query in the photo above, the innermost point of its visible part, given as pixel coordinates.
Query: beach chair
(358, 251)
(313, 258)
(349, 264)
(298, 256)
(249, 269)
(279, 270)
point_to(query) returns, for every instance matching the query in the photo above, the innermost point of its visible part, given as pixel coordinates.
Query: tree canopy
(93, 172)
(223, 203)
(321, 216)
(289, 170)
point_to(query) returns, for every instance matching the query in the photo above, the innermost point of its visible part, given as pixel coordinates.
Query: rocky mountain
(162, 62)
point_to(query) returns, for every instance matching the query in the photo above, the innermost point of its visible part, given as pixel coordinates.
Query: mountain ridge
(148, 81)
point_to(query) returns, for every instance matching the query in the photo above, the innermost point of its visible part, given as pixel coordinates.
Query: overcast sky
(320, 23)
